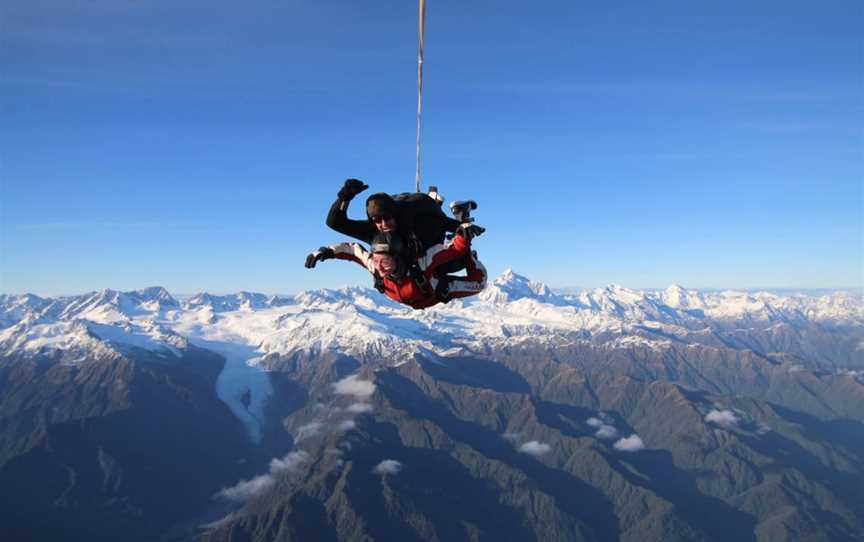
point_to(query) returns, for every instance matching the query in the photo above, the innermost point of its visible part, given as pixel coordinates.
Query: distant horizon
(562, 290)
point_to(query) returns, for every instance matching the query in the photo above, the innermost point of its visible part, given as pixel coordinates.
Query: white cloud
(347, 425)
(352, 385)
(723, 418)
(289, 462)
(510, 436)
(246, 489)
(388, 466)
(308, 430)
(534, 448)
(630, 444)
(359, 408)
(604, 430)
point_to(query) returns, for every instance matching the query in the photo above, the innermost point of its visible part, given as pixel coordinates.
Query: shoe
(462, 210)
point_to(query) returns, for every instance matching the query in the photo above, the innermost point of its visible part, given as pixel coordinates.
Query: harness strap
(420, 279)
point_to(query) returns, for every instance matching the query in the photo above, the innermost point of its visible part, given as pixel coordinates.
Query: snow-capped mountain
(361, 322)
(667, 407)
(106, 321)
(240, 301)
(512, 287)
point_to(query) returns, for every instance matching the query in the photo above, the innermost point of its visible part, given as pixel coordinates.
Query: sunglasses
(381, 218)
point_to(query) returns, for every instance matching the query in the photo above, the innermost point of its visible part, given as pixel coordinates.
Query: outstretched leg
(471, 284)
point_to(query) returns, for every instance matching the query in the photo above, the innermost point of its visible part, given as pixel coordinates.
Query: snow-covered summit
(511, 286)
(155, 294)
(361, 322)
(107, 306)
(247, 301)
(115, 320)
(14, 308)
(329, 297)
(678, 297)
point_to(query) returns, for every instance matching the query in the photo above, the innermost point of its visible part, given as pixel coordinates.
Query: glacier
(251, 331)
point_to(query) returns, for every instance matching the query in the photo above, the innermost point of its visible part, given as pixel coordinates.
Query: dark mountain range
(607, 414)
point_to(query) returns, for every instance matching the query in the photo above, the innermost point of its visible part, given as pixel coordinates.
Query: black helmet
(391, 243)
(380, 204)
(388, 243)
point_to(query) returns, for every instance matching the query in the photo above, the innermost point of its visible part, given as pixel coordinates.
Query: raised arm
(337, 218)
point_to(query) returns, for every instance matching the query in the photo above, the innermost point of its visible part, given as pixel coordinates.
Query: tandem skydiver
(417, 217)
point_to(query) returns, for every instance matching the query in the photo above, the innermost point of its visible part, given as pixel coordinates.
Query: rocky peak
(511, 286)
(157, 294)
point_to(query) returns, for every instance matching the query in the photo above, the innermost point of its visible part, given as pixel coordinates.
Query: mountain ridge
(608, 414)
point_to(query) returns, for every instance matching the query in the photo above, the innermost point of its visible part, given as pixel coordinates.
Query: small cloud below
(604, 430)
(388, 466)
(510, 436)
(352, 385)
(630, 444)
(534, 448)
(246, 489)
(308, 430)
(359, 408)
(289, 462)
(723, 418)
(346, 425)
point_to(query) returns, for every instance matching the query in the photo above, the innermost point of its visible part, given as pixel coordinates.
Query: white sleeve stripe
(466, 286)
(356, 250)
(429, 256)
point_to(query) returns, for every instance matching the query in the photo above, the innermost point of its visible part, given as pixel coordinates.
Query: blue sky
(198, 145)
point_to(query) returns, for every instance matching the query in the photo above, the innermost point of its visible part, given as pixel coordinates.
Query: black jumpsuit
(416, 213)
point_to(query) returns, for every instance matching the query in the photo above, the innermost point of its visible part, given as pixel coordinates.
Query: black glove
(469, 231)
(351, 188)
(323, 253)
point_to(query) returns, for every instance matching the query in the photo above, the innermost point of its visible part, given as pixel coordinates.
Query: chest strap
(420, 279)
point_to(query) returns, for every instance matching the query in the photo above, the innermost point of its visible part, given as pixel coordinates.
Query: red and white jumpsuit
(406, 290)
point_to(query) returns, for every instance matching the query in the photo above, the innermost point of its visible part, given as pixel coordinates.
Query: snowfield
(247, 328)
